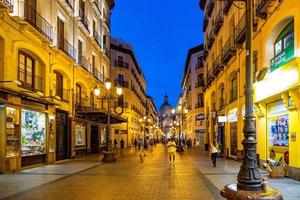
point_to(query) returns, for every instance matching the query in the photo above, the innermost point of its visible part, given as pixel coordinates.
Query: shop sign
(117, 131)
(222, 119)
(282, 58)
(232, 115)
(200, 117)
(200, 130)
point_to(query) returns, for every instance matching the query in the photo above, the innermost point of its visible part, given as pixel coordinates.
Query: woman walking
(214, 152)
(171, 150)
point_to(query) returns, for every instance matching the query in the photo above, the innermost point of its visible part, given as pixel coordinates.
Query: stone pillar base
(231, 192)
(108, 156)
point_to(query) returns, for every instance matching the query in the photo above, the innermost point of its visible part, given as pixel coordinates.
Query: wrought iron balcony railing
(85, 63)
(97, 38)
(98, 6)
(210, 7)
(122, 83)
(219, 21)
(84, 19)
(228, 50)
(38, 22)
(200, 84)
(217, 66)
(227, 6)
(7, 4)
(98, 75)
(122, 64)
(240, 31)
(67, 48)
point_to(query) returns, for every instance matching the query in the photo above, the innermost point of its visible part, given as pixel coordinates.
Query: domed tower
(165, 115)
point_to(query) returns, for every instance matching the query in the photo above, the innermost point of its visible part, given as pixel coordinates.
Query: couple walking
(171, 151)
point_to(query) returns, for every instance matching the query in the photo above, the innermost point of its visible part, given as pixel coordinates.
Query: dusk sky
(161, 32)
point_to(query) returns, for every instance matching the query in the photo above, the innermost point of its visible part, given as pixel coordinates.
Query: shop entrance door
(233, 138)
(200, 138)
(62, 136)
(94, 139)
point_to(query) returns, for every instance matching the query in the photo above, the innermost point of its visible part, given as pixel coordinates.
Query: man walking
(171, 150)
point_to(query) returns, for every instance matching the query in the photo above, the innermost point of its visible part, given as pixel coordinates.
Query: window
(120, 78)
(26, 70)
(222, 96)
(78, 94)
(92, 100)
(233, 88)
(120, 58)
(285, 38)
(200, 62)
(201, 79)
(200, 100)
(58, 82)
(60, 33)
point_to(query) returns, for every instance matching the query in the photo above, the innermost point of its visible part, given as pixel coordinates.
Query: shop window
(12, 130)
(33, 133)
(80, 139)
(58, 83)
(26, 70)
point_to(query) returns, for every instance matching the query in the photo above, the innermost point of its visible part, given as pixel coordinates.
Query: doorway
(94, 139)
(62, 136)
(221, 131)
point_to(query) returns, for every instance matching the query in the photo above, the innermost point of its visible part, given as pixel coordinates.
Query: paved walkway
(87, 178)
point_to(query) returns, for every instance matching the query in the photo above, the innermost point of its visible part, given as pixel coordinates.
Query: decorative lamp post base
(179, 148)
(231, 192)
(108, 156)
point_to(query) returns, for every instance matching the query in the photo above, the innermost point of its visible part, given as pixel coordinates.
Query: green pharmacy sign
(285, 56)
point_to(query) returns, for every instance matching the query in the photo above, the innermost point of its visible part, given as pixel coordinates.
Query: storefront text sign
(282, 58)
(222, 119)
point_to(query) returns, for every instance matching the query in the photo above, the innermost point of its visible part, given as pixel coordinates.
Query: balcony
(97, 7)
(199, 105)
(210, 77)
(38, 22)
(240, 31)
(37, 82)
(262, 8)
(219, 21)
(210, 39)
(210, 7)
(200, 84)
(218, 66)
(122, 104)
(7, 4)
(107, 20)
(205, 22)
(67, 48)
(85, 63)
(84, 20)
(121, 83)
(227, 6)
(98, 75)
(97, 38)
(69, 5)
(121, 64)
(228, 50)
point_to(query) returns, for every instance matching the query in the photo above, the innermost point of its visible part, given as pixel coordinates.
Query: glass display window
(80, 134)
(12, 131)
(33, 133)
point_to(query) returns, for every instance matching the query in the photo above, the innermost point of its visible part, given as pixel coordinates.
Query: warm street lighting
(180, 111)
(250, 184)
(97, 91)
(108, 85)
(119, 90)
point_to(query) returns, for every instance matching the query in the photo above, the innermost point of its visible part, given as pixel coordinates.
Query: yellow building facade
(126, 72)
(52, 56)
(276, 78)
(193, 86)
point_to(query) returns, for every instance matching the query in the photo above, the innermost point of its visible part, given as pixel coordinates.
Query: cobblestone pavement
(193, 177)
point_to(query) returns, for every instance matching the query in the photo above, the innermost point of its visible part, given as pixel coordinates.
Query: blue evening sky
(161, 32)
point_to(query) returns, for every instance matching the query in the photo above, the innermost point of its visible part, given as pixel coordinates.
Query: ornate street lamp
(250, 184)
(109, 96)
(144, 121)
(180, 112)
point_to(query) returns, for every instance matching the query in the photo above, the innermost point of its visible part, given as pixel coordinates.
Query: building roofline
(191, 51)
(111, 4)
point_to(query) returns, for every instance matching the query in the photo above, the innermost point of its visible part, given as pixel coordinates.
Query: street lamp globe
(173, 111)
(186, 111)
(119, 91)
(97, 91)
(179, 107)
(108, 85)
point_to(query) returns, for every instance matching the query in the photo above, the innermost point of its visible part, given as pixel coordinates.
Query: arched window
(285, 39)
(233, 88)
(26, 71)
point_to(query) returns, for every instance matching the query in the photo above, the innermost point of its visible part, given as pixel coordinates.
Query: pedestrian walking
(135, 143)
(214, 152)
(115, 144)
(171, 150)
(122, 144)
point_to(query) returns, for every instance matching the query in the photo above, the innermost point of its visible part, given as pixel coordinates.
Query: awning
(98, 115)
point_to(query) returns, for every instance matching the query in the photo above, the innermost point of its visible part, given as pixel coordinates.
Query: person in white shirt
(214, 152)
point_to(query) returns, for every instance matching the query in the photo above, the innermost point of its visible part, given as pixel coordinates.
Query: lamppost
(180, 111)
(250, 184)
(144, 121)
(109, 96)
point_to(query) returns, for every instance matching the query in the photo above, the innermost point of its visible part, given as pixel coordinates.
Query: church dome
(166, 106)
